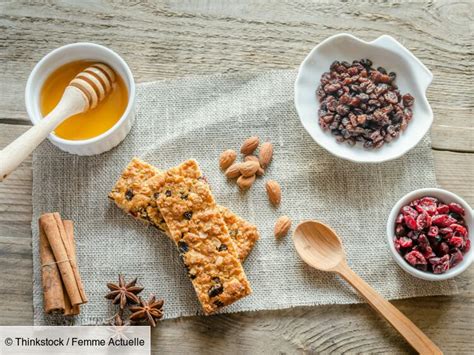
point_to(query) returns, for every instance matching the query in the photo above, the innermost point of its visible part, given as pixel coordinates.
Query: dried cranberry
(433, 231)
(456, 242)
(456, 208)
(427, 204)
(423, 242)
(428, 253)
(407, 210)
(437, 260)
(442, 265)
(442, 220)
(456, 228)
(423, 221)
(410, 222)
(443, 248)
(405, 242)
(456, 257)
(415, 258)
(446, 230)
(442, 209)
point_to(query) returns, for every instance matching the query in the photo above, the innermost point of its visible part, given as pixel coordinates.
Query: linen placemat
(199, 117)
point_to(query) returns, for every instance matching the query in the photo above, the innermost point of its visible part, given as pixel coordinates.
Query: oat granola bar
(201, 235)
(132, 195)
(243, 234)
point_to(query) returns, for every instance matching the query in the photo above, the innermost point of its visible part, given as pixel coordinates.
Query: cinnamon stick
(71, 252)
(69, 228)
(56, 235)
(53, 293)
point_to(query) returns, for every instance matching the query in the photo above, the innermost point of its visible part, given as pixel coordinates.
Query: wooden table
(178, 38)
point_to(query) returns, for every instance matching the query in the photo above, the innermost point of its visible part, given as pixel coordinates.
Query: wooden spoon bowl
(319, 247)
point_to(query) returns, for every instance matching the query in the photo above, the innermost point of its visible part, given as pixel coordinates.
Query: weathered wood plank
(353, 328)
(176, 38)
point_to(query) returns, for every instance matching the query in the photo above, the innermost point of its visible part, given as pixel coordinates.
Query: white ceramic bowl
(446, 197)
(67, 54)
(412, 77)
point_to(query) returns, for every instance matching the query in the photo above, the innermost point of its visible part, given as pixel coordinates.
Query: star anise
(124, 293)
(150, 310)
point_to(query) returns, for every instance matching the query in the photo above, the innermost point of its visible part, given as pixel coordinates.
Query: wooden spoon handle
(72, 102)
(415, 337)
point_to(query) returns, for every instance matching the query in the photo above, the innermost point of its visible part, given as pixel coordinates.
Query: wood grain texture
(178, 38)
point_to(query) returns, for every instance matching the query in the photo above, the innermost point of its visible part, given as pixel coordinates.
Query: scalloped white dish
(412, 77)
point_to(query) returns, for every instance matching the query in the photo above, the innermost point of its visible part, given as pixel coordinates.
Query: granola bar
(198, 229)
(132, 194)
(243, 234)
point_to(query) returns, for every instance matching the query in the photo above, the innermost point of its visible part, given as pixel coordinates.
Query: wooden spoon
(320, 247)
(84, 92)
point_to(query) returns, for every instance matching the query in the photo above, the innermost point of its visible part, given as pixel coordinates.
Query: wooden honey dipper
(84, 92)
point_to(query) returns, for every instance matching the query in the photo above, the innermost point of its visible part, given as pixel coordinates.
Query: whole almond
(282, 226)
(265, 155)
(249, 145)
(251, 158)
(245, 182)
(233, 171)
(227, 158)
(249, 168)
(273, 192)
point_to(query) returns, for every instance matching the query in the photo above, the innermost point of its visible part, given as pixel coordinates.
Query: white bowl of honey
(97, 130)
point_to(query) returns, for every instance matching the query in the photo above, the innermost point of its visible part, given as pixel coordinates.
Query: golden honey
(88, 124)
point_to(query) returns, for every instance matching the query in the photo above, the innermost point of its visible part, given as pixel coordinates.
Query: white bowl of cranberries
(429, 234)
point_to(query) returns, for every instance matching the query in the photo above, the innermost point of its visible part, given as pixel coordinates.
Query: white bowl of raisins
(363, 101)
(429, 234)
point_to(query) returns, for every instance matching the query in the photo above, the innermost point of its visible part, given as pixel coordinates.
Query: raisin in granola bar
(132, 194)
(198, 229)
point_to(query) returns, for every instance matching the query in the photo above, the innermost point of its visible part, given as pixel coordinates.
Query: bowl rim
(82, 142)
(336, 153)
(442, 194)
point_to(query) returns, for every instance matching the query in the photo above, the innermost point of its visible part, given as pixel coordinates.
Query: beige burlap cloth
(199, 117)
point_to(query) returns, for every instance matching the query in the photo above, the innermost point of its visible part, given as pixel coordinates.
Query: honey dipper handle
(72, 102)
(415, 337)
